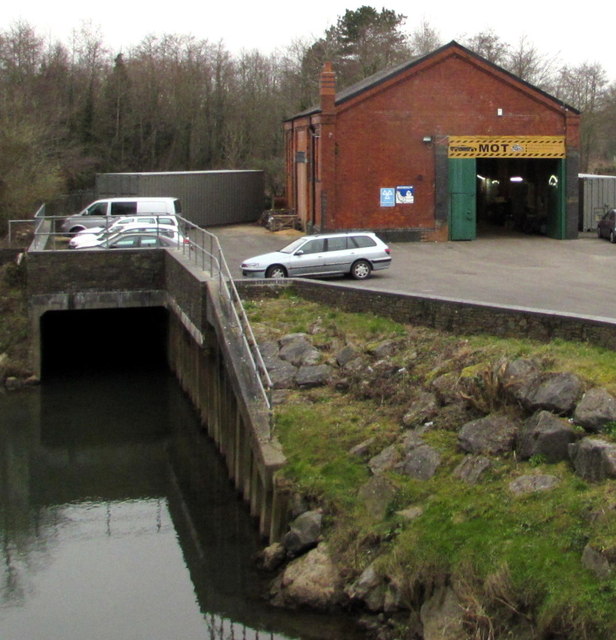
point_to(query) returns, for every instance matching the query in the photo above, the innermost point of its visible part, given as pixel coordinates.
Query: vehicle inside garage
(518, 194)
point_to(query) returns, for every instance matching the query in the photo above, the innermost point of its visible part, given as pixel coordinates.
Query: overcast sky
(572, 34)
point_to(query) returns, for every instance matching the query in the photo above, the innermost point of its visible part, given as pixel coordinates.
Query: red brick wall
(375, 139)
(379, 136)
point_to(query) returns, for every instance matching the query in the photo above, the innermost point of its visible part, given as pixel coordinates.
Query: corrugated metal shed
(597, 195)
(208, 198)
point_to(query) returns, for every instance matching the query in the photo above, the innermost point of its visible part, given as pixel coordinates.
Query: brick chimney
(328, 89)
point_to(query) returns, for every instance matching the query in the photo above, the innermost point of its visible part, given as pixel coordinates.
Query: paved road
(572, 276)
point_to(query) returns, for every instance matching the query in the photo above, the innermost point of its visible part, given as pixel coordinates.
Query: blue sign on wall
(388, 197)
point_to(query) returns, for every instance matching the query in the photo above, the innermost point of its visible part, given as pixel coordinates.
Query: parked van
(102, 213)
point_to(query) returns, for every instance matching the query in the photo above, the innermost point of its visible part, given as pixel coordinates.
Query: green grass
(506, 554)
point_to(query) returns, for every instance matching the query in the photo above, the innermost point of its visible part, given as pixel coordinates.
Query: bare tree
(424, 39)
(526, 62)
(490, 46)
(584, 87)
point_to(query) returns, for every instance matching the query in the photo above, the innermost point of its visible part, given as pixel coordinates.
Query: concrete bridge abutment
(204, 350)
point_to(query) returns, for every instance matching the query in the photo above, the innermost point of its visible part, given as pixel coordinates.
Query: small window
(98, 209)
(123, 208)
(162, 220)
(123, 243)
(314, 246)
(336, 244)
(149, 242)
(363, 241)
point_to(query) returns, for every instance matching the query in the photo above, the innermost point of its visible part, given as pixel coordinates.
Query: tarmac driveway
(571, 276)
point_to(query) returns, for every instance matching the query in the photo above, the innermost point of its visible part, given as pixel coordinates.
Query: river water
(118, 521)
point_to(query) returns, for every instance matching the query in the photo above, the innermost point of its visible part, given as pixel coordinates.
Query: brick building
(440, 148)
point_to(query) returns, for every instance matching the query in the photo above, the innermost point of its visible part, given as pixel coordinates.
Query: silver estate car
(356, 253)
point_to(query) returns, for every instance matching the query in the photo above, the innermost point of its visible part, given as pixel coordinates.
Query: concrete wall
(456, 316)
(204, 351)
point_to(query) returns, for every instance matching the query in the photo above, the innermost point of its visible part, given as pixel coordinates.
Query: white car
(105, 237)
(85, 240)
(356, 253)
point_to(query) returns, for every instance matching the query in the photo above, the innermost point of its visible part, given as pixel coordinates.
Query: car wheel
(361, 270)
(276, 271)
(612, 236)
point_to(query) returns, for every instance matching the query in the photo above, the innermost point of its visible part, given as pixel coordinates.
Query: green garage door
(462, 199)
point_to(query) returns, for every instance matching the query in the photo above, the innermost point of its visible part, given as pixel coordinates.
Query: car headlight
(250, 265)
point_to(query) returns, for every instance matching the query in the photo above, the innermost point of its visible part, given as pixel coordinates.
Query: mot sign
(506, 147)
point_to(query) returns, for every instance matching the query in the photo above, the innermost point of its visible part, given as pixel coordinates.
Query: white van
(102, 213)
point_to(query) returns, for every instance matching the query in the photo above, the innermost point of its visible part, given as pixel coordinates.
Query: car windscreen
(296, 244)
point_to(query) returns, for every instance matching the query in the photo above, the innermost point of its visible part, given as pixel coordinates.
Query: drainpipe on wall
(325, 203)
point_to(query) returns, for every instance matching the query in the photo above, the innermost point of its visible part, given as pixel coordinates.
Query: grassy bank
(515, 561)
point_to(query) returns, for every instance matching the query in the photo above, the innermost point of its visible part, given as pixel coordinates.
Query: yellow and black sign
(506, 147)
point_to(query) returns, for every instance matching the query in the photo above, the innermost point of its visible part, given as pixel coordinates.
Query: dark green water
(117, 521)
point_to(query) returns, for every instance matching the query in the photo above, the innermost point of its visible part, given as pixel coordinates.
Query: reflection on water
(118, 522)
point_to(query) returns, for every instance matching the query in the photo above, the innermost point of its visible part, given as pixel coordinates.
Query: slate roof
(385, 74)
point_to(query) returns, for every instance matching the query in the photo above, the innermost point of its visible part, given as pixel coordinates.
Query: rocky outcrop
(545, 435)
(313, 580)
(596, 409)
(492, 435)
(539, 416)
(304, 533)
(594, 459)
(556, 392)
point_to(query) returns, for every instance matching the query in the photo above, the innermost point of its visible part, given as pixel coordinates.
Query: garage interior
(518, 195)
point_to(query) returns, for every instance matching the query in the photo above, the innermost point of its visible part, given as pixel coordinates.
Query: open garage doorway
(510, 184)
(519, 195)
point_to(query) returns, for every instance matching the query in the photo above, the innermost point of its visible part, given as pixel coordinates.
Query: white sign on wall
(405, 195)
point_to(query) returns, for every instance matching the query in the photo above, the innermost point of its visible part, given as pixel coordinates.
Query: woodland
(177, 103)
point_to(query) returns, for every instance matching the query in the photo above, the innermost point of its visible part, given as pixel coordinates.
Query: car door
(339, 255)
(309, 259)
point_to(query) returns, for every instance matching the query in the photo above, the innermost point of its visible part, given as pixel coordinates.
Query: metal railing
(203, 249)
(199, 247)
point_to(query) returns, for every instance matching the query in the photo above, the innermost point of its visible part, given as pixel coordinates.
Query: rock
(596, 408)
(12, 383)
(420, 460)
(272, 557)
(447, 388)
(385, 460)
(384, 349)
(346, 355)
(269, 352)
(310, 581)
(362, 450)
(492, 435)
(282, 374)
(472, 468)
(298, 350)
(597, 562)
(424, 408)
(546, 435)
(411, 513)
(376, 494)
(376, 592)
(313, 375)
(442, 616)
(304, 533)
(593, 459)
(533, 483)
(369, 588)
(517, 375)
(556, 392)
